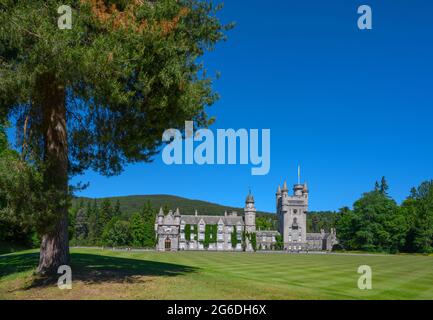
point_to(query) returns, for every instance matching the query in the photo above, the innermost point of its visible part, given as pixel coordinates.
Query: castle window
(167, 244)
(295, 211)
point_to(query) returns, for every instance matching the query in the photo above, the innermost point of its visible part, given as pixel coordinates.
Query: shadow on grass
(92, 268)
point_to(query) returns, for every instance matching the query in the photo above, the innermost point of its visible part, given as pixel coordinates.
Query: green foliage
(376, 223)
(187, 232)
(117, 233)
(127, 77)
(254, 241)
(264, 223)
(234, 237)
(81, 228)
(105, 212)
(138, 235)
(132, 204)
(149, 216)
(210, 234)
(3, 138)
(418, 210)
(23, 208)
(384, 186)
(252, 237)
(97, 96)
(279, 242)
(321, 220)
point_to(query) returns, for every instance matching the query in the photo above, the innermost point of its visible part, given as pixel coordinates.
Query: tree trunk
(55, 243)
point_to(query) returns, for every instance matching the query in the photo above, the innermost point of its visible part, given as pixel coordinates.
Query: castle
(231, 232)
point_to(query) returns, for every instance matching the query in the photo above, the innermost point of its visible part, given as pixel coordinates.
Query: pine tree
(149, 216)
(100, 94)
(105, 212)
(93, 225)
(384, 186)
(138, 230)
(116, 211)
(81, 226)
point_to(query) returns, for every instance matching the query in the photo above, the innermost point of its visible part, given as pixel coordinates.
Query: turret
(278, 199)
(285, 190)
(298, 189)
(305, 190)
(160, 217)
(250, 213)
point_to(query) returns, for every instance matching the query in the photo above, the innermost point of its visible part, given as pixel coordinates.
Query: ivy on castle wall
(234, 237)
(191, 232)
(210, 234)
(252, 238)
(187, 232)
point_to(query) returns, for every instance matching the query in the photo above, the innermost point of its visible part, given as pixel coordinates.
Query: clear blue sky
(348, 105)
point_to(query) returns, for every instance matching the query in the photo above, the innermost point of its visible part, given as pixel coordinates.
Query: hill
(132, 204)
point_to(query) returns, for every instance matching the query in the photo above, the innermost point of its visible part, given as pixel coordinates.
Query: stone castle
(232, 232)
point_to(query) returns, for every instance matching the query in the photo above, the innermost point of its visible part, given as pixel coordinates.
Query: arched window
(167, 244)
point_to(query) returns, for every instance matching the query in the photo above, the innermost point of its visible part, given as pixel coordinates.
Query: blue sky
(349, 106)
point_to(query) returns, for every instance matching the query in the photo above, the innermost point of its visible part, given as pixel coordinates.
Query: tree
(93, 225)
(149, 214)
(105, 213)
(116, 211)
(117, 233)
(419, 207)
(384, 186)
(81, 230)
(100, 94)
(138, 230)
(21, 198)
(263, 223)
(375, 224)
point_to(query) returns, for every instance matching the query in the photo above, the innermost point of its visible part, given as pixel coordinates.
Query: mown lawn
(106, 274)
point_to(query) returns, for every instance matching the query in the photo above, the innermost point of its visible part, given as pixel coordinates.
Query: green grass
(211, 275)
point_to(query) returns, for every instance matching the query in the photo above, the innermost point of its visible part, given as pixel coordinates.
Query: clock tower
(250, 214)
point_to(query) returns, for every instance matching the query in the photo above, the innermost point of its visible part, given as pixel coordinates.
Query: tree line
(93, 224)
(376, 223)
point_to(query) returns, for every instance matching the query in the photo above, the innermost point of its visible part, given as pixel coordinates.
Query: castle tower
(250, 214)
(250, 220)
(292, 216)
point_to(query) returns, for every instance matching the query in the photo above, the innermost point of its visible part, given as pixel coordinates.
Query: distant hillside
(132, 204)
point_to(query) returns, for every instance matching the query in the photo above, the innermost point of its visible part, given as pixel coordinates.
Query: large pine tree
(100, 94)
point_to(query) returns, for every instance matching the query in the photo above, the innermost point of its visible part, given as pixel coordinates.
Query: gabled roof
(227, 220)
